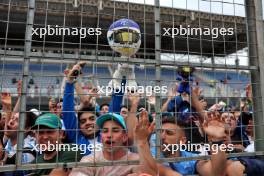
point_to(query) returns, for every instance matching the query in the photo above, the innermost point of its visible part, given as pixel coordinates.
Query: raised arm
(117, 98)
(215, 130)
(68, 113)
(197, 104)
(142, 131)
(19, 89)
(6, 108)
(131, 120)
(171, 94)
(216, 166)
(85, 99)
(6, 105)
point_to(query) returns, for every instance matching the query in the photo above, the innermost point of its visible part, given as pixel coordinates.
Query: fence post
(27, 51)
(255, 31)
(157, 67)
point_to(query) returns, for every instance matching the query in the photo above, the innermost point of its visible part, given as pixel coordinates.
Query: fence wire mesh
(84, 75)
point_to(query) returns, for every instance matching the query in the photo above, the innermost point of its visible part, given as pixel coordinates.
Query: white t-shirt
(251, 146)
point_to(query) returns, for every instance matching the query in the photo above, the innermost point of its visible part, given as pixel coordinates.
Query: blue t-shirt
(183, 167)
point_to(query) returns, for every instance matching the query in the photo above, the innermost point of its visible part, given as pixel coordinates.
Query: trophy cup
(124, 37)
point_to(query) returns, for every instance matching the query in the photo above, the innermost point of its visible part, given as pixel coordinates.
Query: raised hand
(75, 71)
(196, 91)
(152, 99)
(134, 98)
(143, 128)
(215, 129)
(6, 99)
(52, 105)
(93, 92)
(173, 91)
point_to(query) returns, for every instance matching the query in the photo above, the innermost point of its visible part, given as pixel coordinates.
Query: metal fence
(225, 64)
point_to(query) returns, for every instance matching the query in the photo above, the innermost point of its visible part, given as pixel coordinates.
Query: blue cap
(111, 116)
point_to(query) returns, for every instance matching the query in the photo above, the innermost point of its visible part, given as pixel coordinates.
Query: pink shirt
(116, 170)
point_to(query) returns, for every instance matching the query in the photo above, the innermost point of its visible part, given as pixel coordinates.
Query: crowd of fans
(119, 134)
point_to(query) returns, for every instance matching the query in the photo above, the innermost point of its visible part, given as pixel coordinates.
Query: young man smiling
(49, 139)
(82, 129)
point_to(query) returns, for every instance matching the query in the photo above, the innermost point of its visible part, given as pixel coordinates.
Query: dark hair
(124, 106)
(104, 104)
(140, 107)
(183, 127)
(228, 109)
(90, 109)
(30, 119)
(60, 100)
(237, 108)
(245, 117)
(174, 120)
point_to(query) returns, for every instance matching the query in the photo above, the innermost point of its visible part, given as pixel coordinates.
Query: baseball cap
(50, 120)
(111, 116)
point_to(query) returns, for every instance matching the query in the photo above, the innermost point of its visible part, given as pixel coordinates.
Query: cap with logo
(49, 120)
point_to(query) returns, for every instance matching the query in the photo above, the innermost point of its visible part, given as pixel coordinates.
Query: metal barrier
(224, 65)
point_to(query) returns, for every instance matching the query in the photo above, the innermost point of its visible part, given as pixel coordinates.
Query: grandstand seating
(52, 74)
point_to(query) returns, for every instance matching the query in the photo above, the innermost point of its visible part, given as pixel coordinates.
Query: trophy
(124, 37)
(185, 76)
